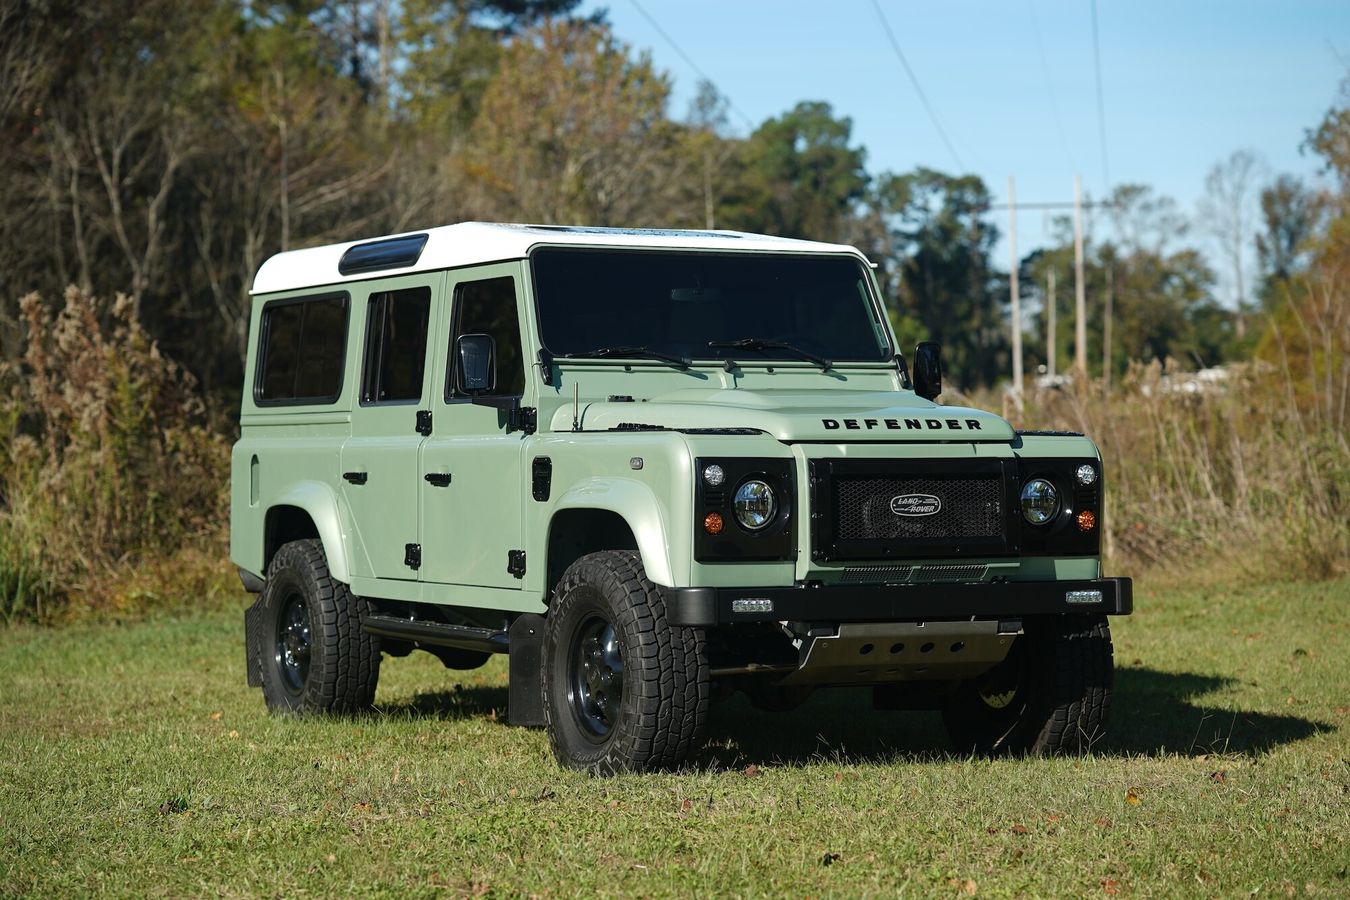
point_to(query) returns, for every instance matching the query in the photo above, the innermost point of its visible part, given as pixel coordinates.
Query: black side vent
(376, 256)
(541, 471)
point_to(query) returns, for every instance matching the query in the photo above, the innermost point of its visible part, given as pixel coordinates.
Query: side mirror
(476, 363)
(928, 369)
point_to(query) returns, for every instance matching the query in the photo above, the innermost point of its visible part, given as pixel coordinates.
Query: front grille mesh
(913, 574)
(972, 507)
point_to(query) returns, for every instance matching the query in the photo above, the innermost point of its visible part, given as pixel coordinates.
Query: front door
(379, 460)
(472, 464)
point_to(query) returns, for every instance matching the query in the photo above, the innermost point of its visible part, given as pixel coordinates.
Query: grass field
(133, 760)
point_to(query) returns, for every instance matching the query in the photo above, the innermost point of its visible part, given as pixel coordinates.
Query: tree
(1225, 212)
(798, 177)
(942, 245)
(573, 129)
(1290, 215)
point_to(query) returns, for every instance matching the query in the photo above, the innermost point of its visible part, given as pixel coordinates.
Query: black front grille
(912, 509)
(865, 508)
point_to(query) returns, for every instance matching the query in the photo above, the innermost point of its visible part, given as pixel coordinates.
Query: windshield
(750, 308)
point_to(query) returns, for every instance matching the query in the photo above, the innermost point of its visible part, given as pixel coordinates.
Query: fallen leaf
(360, 807)
(332, 857)
(1342, 710)
(1019, 829)
(969, 887)
(1052, 818)
(1220, 776)
(1110, 886)
(514, 792)
(686, 804)
(829, 859)
(234, 734)
(838, 776)
(1103, 822)
(991, 830)
(215, 717)
(1132, 798)
(751, 771)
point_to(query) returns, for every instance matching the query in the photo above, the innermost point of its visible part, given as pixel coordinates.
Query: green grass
(133, 760)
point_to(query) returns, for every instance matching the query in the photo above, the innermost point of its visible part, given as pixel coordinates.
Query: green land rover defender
(652, 467)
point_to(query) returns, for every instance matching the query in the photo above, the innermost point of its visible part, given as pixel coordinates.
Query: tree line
(165, 148)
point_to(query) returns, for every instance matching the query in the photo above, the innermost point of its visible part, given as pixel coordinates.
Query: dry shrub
(1249, 475)
(114, 466)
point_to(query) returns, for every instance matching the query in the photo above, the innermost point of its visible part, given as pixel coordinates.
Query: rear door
(379, 460)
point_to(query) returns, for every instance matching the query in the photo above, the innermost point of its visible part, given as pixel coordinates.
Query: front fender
(321, 503)
(637, 505)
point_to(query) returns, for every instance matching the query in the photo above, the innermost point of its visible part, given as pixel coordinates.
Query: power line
(693, 65)
(1101, 106)
(1050, 86)
(923, 98)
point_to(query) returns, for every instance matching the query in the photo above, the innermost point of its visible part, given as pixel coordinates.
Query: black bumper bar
(707, 606)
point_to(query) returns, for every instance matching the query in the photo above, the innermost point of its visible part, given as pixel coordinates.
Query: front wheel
(1050, 696)
(624, 691)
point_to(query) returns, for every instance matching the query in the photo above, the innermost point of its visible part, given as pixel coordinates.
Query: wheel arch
(307, 510)
(609, 514)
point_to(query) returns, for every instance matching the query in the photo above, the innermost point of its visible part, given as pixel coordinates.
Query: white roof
(471, 243)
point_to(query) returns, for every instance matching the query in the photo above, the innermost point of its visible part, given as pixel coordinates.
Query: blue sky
(1184, 83)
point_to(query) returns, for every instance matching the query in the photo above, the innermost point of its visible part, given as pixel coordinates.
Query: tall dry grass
(1248, 475)
(113, 494)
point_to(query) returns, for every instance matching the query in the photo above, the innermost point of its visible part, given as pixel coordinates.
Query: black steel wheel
(1051, 695)
(312, 655)
(293, 643)
(624, 691)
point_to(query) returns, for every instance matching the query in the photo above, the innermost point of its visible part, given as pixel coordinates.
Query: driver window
(489, 307)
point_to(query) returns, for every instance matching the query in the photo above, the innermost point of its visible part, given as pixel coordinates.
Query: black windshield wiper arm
(634, 352)
(761, 344)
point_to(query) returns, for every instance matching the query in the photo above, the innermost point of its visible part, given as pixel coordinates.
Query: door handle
(438, 479)
(356, 477)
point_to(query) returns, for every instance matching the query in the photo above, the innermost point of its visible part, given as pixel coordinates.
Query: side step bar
(439, 634)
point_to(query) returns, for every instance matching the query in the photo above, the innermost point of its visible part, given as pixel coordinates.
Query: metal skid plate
(872, 653)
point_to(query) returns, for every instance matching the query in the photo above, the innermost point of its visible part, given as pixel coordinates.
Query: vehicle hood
(798, 415)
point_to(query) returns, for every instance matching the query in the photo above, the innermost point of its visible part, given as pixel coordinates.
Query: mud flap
(525, 701)
(253, 642)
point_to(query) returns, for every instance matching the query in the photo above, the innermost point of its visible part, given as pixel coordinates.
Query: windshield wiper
(634, 352)
(761, 344)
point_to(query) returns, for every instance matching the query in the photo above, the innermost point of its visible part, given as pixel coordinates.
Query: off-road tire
(663, 710)
(1050, 696)
(343, 661)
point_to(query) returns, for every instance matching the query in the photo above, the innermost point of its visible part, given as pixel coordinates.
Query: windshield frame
(875, 308)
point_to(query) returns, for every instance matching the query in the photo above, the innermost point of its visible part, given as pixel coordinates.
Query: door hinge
(524, 418)
(412, 556)
(424, 422)
(515, 563)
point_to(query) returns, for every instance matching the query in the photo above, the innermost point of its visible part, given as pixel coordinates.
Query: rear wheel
(624, 691)
(1051, 695)
(315, 657)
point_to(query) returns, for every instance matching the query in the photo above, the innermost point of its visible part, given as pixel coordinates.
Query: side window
(302, 351)
(396, 345)
(489, 307)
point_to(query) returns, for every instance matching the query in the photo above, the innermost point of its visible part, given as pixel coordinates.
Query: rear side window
(396, 346)
(489, 307)
(302, 351)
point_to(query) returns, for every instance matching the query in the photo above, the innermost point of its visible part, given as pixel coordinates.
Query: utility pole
(1014, 288)
(1106, 325)
(1079, 288)
(1050, 325)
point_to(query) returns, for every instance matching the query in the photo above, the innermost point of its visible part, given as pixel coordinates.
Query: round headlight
(755, 504)
(714, 475)
(1086, 474)
(1040, 501)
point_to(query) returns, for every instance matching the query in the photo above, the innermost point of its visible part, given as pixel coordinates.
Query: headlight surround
(1040, 501)
(755, 504)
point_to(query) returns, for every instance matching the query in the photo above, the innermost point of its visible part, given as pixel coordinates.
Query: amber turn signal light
(712, 523)
(1087, 520)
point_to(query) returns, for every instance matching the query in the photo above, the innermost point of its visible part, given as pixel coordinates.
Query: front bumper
(708, 606)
